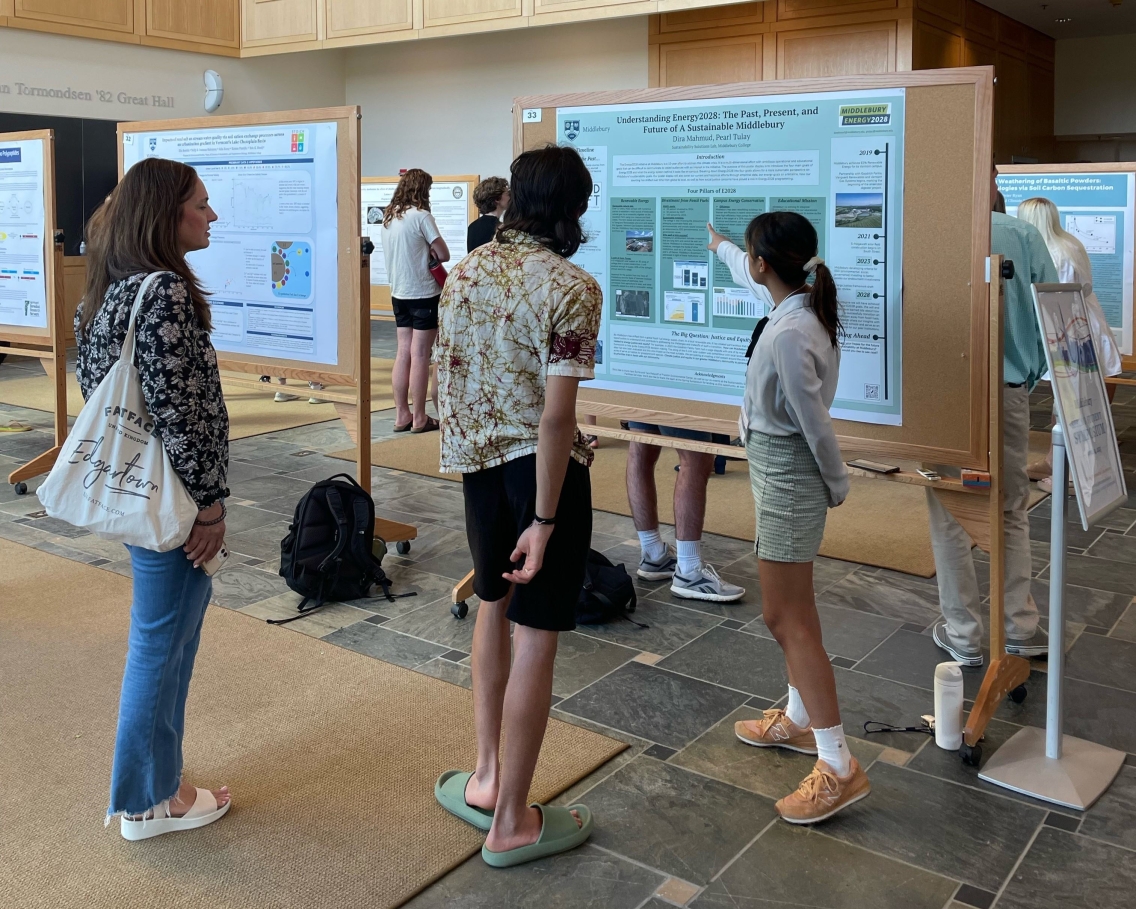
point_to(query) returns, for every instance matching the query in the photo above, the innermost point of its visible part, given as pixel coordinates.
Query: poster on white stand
(1082, 401)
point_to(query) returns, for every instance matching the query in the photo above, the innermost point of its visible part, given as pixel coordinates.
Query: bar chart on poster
(271, 267)
(23, 286)
(1097, 206)
(674, 321)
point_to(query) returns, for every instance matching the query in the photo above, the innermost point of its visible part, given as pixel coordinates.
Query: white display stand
(1046, 763)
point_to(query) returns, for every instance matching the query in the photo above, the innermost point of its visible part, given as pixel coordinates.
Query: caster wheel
(402, 547)
(1018, 694)
(972, 757)
(21, 489)
(459, 610)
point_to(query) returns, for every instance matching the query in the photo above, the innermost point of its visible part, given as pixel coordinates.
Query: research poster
(674, 322)
(23, 285)
(271, 267)
(449, 204)
(1082, 403)
(1098, 209)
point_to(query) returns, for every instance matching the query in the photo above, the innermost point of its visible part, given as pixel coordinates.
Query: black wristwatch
(537, 519)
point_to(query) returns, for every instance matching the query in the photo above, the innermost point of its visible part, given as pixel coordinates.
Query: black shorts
(499, 505)
(421, 315)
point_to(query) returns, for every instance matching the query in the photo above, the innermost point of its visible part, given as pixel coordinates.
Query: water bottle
(948, 706)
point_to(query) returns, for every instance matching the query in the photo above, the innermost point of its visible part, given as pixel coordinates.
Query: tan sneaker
(776, 730)
(822, 794)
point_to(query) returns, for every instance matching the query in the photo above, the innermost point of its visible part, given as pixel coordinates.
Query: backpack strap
(603, 598)
(343, 537)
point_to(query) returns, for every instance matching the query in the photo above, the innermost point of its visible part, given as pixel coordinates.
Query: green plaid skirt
(789, 495)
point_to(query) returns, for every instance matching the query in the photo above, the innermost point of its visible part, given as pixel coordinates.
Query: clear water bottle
(948, 706)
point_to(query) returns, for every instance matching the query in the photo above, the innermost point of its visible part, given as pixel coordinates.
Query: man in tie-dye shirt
(517, 332)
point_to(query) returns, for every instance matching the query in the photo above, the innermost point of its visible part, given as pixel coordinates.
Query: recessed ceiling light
(1063, 20)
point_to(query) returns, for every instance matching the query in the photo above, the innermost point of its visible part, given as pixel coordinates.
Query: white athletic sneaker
(282, 396)
(661, 569)
(705, 585)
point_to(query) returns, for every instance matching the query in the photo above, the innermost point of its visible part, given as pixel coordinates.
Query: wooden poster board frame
(380, 293)
(1127, 361)
(952, 380)
(48, 345)
(946, 238)
(353, 351)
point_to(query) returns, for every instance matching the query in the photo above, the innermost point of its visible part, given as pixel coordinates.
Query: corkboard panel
(946, 226)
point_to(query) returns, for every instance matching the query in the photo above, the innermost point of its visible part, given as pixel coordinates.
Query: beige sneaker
(776, 730)
(822, 794)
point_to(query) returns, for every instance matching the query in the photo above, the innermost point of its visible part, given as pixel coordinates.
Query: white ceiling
(1089, 17)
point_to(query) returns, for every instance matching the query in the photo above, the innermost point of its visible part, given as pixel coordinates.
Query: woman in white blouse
(1073, 267)
(797, 474)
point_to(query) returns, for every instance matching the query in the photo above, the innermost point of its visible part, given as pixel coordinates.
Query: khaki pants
(958, 585)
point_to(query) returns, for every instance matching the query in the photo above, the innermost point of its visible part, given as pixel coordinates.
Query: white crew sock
(832, 748)
(652, 545)
(689, 556)
(795, 709)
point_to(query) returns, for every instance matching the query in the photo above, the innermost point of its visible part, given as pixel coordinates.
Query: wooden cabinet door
(267, 22)
(842, 50)
(935, 48)
(436, 13)
(803, 9)
(710, 62)
(196, 21)
(107, 15)
(347, 18)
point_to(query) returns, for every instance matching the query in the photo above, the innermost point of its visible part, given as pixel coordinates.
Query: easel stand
(1046, 763)
(52, 352)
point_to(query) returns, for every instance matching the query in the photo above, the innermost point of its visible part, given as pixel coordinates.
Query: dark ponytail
(787, 241)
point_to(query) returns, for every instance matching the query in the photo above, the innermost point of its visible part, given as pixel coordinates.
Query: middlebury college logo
(153, 145)
(571, 129)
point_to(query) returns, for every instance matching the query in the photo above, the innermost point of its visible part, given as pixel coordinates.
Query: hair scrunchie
(811, 265)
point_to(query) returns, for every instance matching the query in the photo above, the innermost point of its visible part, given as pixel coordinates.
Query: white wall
(1095, 81)
(445, 105)
(127, 75)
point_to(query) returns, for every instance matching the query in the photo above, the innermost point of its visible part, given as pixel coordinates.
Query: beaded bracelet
(215, 521)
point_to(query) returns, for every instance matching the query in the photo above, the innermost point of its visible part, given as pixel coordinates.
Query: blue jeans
(170, 597)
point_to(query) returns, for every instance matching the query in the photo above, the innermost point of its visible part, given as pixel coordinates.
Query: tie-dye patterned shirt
(512, 313)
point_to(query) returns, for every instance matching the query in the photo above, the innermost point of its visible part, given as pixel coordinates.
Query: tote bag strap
(128, 342)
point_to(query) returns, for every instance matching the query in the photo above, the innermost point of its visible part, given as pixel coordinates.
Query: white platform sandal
(204, 811)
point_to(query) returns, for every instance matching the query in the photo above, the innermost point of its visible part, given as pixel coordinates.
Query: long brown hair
(413, 191)
(787, 241)
(136, 230)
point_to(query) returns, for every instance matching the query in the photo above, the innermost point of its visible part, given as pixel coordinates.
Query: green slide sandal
(450, 793)
(558, 833)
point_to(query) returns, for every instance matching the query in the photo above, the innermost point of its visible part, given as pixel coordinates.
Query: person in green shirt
(959, 632)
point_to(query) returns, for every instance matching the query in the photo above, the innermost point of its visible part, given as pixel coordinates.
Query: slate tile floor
(685, 816)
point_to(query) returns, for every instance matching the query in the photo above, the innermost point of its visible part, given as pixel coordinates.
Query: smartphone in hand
(216, 563)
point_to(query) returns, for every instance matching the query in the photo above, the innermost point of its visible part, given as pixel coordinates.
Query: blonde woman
(411, 244)
(1073, 267)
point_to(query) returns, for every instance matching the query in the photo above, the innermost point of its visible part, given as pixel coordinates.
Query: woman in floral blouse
(158, 213)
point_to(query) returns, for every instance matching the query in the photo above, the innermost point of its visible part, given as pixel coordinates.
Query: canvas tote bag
(113, 476)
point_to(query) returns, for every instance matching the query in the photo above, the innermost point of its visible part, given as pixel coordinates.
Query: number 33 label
(531, 115)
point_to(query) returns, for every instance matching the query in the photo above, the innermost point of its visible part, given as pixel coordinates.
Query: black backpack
(608, 593)
(327, 554)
